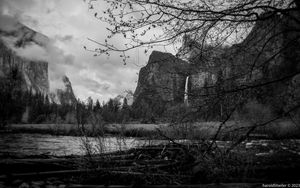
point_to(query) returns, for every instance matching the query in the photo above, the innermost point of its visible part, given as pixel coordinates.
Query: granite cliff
(34, 74)
(271, 51)
(64, 96)
(13, 37)
(162, 79)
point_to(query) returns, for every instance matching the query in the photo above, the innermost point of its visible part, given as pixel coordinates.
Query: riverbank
(156, 165)
(127, 130)
(281, 129)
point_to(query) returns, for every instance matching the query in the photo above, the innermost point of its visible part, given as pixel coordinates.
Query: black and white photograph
(149, 93)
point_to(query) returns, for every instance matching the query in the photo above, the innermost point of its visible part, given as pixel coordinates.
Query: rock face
(64, 96)
(13, 36)
(34, 73)
(271, 51)
(163, 78)
(128, 96)
(18, 35)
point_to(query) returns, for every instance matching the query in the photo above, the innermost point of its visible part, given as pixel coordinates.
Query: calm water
(36, 144)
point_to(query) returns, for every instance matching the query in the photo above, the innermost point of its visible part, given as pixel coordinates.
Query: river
(39, 144)
(43, 144)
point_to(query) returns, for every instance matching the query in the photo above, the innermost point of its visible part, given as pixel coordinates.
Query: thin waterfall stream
(186, 90)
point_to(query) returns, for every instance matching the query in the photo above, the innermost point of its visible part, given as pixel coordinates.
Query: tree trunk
(297, 2)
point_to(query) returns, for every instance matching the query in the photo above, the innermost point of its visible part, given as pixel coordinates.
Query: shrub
(178, 113)
(254, 112)
(40, 119)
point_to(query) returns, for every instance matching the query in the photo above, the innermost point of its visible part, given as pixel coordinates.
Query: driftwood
(39, 174)
(147, 163)
(74, 172)
(157, 148)
(111, 164)
(99, 161)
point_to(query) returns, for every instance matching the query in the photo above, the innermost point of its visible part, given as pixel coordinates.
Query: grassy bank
(281, 129)
(231, 130)
(127, 130)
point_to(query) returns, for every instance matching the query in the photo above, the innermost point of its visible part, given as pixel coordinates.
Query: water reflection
(37, 144)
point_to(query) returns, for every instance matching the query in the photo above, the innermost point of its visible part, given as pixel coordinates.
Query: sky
(68, 24)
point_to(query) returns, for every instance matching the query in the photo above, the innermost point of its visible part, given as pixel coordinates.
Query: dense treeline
(29, 107)
(19, 106)
(10, 105)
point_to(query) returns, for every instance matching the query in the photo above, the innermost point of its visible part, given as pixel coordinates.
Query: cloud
(68, 24)
(95, 86)
(66, 38)
(8, 23)
(35, 46)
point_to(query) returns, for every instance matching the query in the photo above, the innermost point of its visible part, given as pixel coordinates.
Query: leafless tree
(225, 32)
(206, 21)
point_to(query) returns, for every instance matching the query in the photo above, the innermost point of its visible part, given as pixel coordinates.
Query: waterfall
(186, 90)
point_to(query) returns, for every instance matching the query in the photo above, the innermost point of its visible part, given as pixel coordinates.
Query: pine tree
(125, 113)
(97, 107)
(90, 104)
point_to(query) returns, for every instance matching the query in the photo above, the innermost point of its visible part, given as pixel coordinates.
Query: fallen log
(75, 172)
(157, 148)
(73, 161)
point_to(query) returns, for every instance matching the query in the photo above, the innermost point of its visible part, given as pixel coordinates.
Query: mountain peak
(66, 81)
(66, 95)
(21, 34)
